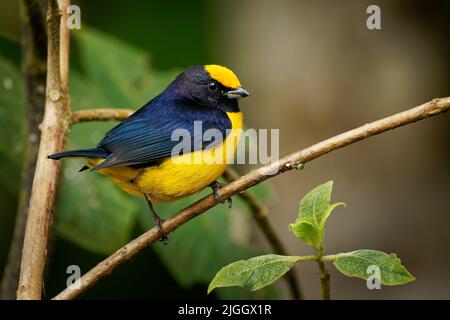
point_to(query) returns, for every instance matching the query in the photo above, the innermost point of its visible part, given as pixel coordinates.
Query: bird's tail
(81, 153)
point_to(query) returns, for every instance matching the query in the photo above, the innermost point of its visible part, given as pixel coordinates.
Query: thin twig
(296, 159)
(53, 137)
(100, 115)
(34, 70)
(64, 45)
(261, 215)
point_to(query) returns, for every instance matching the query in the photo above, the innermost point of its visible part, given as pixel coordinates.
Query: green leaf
(254, 273)
(308, 232)
(328, 212)
(316, 202)
(357, 263)
(12, 124)
(123, 72)
(94, 213)
(314, 210)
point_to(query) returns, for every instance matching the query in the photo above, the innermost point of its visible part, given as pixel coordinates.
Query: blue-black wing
(146, 137)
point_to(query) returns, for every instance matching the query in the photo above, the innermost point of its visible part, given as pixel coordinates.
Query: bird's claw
(163, 236)
(215, 186)
(157, 221)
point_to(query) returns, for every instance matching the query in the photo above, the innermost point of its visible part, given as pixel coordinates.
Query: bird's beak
(236, 93)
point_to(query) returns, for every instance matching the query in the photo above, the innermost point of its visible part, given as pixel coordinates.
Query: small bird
(137, 154)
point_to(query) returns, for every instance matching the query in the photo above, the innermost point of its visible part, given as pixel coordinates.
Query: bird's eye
(213, 86)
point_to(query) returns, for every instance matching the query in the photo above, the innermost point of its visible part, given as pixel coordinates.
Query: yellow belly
(179, 176)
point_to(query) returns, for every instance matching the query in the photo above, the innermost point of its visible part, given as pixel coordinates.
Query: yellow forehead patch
(223, 75)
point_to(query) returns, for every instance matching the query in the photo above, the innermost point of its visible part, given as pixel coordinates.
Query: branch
(294, 160)
(53, 136)
(34, 70)
(261, 215)
(100, 115)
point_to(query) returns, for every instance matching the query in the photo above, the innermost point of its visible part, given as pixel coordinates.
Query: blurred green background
(314, 70)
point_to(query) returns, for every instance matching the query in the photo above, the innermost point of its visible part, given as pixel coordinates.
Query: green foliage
(357, 263)
(12, 136)
(315, 208)
(12, 133)
(93, 213)
(254, 273)
(123, 72)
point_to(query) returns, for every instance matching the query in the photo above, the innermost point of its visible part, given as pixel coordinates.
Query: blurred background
(314, 70)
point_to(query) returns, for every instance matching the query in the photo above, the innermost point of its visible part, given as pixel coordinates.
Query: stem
(261, 215)
(326, 258)
(306, 258)
(53, 137)
(330, 257)
(34, 69)
(127, 252)
(324, 276)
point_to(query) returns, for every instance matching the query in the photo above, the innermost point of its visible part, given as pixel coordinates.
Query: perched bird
(138, 153)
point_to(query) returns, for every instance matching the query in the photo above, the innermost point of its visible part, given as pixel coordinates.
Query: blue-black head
(210, 86)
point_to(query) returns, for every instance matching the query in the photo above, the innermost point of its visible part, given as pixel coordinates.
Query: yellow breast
(180, 176)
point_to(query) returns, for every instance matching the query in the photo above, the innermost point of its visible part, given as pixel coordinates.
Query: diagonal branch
(294, 160)
(53, 136)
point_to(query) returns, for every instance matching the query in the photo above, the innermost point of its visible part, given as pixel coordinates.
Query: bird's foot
(157, 221)
(215, 186)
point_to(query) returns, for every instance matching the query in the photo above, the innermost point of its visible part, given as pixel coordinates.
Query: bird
(138, 153)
